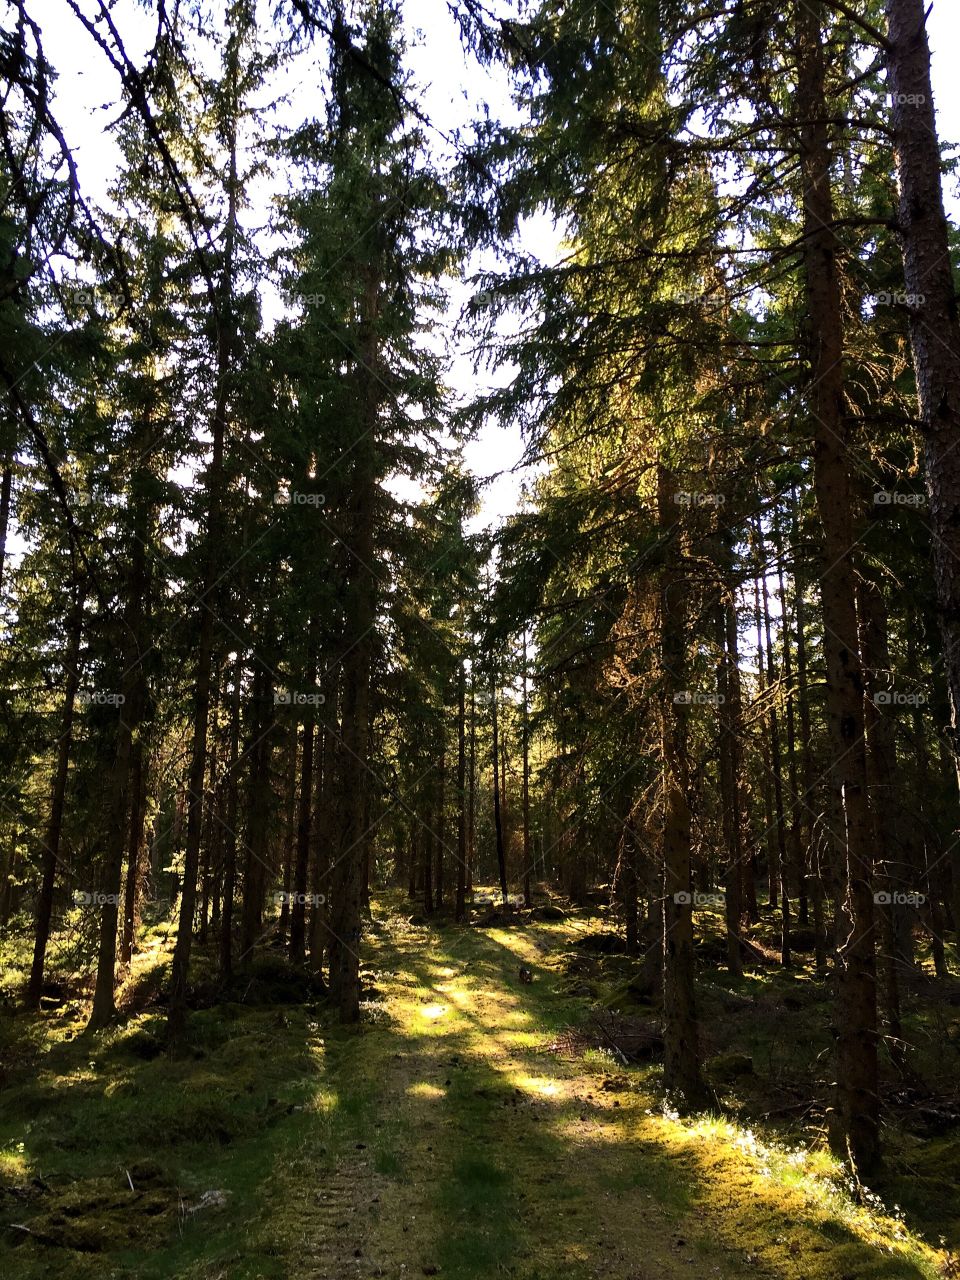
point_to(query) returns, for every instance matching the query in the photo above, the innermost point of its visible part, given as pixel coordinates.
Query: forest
(397, 878)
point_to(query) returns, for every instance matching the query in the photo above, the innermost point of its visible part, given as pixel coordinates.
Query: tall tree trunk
(472, 790)
(855, 1128)
(460, 909)
(811, 845)
(881, 776)
(728, 686)
(797, 807)
(497, 815)
(426, 847)
(51, 846)
(289, 829)
(298, 909)
(256, 866)
(770, 828)
(6, 495)
(356, 669)
(525, 728)
(440, 820)
(135, 851)
(775, 758)
(130, 714)
(932, 308)
(176, 1020)
(230, 835)
(681, 1070)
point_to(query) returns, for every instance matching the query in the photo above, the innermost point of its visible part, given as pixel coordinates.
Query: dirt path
(443, 1136)
(467, 1147)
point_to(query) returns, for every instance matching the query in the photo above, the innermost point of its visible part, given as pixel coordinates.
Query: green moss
(728, 1066)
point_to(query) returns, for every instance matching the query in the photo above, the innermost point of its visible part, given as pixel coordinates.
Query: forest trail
(454, 1132)
(468, 1146)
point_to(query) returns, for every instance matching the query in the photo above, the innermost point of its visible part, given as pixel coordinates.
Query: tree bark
(776, 760)
(681, 1070)
(728, 686)
(932, 309)
(527, 893)
(460, 909)
(230, 835)
(176, 1020)
(51, 846)
(497, 815)
(356, 669)
(855, 1124)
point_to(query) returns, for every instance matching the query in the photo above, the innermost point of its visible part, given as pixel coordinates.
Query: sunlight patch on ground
(325, 1101)
(433, 1011)
(512, 940)
(424, 1090)
(776, 1172)
(542, 1086)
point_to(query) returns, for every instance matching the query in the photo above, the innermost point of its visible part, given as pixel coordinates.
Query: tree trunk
(775, 759)
(51, 846)
(728, 687)
(124, 787)
(176, 1020)
(356, 668)
(256, 866)
(472, 796)
(440, 821)
(497, 816)
(855, 1127)
(932, 308)
(6, 494)
(797, 806)
(881, 775)
(289, 830)
(460, 909)
(230, 835)
(770, 828)
(681, 1069)
(527, 894)
(135, 851)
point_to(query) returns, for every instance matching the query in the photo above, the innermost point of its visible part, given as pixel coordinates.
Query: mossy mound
(549, 912)
(99, 1215)
(638, 990)
(273, 980)
(729, 1066)
(602, 942)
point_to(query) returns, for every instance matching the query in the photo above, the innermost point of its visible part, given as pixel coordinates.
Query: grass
(444, 1136)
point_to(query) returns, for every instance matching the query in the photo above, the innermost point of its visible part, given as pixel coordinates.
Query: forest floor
(455, 1133)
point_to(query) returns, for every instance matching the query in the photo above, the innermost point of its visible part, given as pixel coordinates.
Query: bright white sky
(453, 91)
